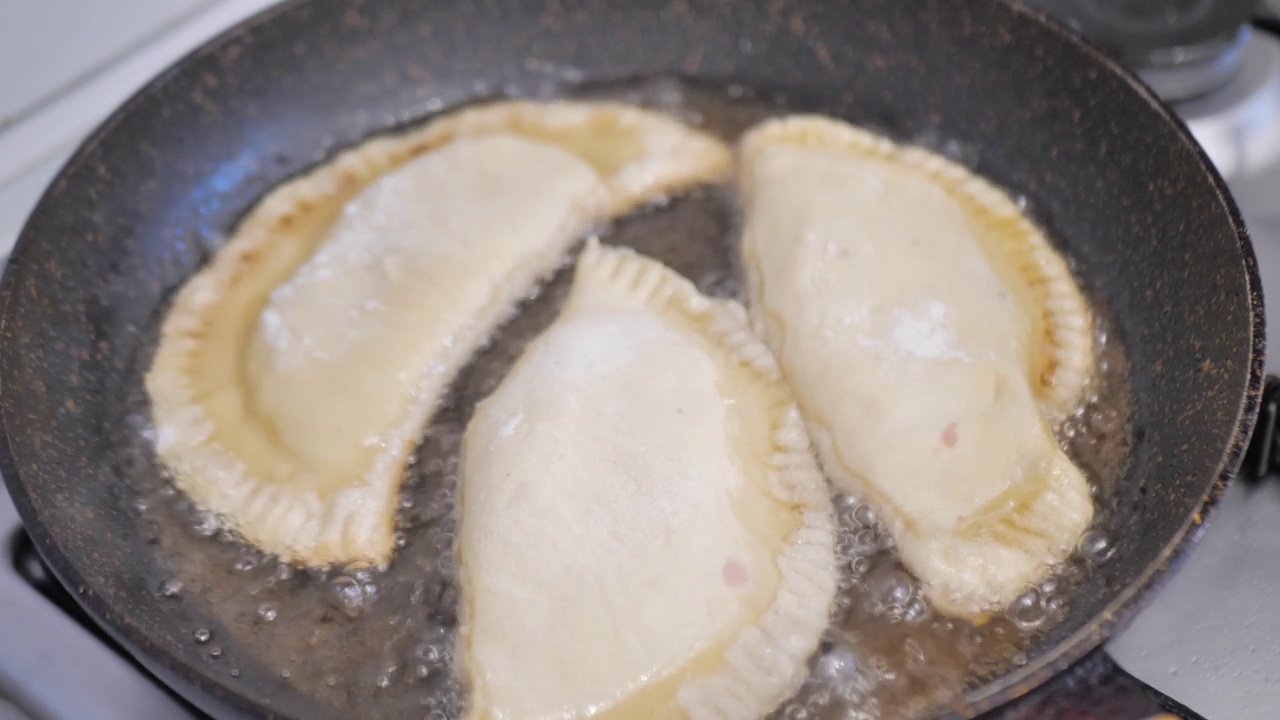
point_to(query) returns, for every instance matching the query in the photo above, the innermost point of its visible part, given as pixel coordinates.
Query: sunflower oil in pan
(381, 643)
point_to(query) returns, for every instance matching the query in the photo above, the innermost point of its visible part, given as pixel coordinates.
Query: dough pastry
(295, 373)
(644, 530)
(932, 336)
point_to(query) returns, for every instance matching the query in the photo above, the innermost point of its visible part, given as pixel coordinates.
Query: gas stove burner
(1237, 124)
(1144, 18)
(1183, 49)
(1184, 72)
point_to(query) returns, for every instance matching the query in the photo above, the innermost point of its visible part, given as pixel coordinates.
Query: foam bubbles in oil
(381, 643)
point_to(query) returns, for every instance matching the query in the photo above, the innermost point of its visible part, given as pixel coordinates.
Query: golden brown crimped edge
(764, 665)
(356, 524)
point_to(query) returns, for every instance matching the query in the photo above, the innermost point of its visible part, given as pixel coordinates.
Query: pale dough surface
(644, 532)
(920, 368)
(296, 372)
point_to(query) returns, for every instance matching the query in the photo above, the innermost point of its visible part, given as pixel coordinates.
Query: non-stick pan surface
(1106, 169)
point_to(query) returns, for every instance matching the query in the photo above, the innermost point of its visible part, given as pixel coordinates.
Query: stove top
(1209, 639)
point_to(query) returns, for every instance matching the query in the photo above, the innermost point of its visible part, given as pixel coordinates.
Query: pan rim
(1139, 591)
(159, 662)
(1121, 609)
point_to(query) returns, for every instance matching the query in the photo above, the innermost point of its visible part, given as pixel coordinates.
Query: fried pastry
(295, 373)
(644, 531)
(933, 338)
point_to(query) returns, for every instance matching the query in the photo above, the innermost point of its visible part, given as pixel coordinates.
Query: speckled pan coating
(1106, 169)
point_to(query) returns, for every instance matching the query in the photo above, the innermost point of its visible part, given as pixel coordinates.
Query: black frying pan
(1106, 169)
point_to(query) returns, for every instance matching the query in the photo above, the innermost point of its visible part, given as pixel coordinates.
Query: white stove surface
(1210, 639)
(65, 65)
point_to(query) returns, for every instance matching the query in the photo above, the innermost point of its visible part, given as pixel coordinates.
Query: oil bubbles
(1028, 611)
(1095, 546)
(170, 589)
(894, 595)
(353, 593)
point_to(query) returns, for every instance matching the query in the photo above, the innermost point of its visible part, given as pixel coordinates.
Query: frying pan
(1105, 168)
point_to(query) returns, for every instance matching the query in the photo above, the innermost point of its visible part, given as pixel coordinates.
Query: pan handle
(1095, 688)
(1263, 456)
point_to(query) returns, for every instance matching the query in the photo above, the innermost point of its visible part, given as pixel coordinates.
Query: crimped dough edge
(764, 664)
(1065, 355)
(356, 524)
(1065, 377)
